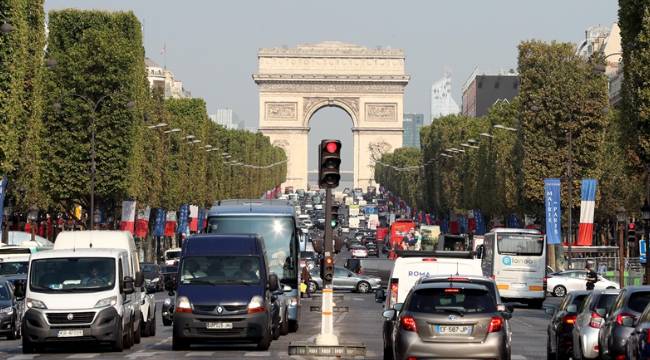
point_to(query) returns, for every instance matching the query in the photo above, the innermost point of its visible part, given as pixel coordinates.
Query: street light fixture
(486, 135)
(503, 127)
(157, 126)
(190, 137)
(171, 131)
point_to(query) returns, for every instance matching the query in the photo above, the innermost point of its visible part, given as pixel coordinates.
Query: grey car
(345, 279)
(621, 319)
(589, 321)
(443, 320)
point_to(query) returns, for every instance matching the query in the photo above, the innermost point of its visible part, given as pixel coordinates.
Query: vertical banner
(159, 223)
(183, 217)
(3, 190)
(128, 216)
(553, 211)
(480, 222)
(587, 205)
(142, 223)
(202, 215)
(194, 218)
(170, 223)
(471, 222)
(428, 219)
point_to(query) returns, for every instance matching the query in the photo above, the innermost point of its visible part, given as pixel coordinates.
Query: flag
(3, 190)
(553, 211)
(142, 223)
(471, 221)
(587, 205)
(453, 223)
(159, 224)
(183, 214)
(201, 222)
(420, 217)
(127, 222)
(444, 226)
(170, 223)
(428, 218)
(480, 222)
(194, 218)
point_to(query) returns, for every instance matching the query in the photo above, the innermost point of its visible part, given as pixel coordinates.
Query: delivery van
(80, 295)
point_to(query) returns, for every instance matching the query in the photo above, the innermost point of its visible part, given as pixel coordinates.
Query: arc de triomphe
(294, 83)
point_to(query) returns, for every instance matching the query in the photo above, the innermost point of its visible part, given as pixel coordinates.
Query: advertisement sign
(353, 210)
(553, 211)
(373, 221)
(183, 219)
(353, 222)
(159, 224)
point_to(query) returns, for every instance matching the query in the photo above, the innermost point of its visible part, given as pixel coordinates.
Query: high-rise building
(481, 91)
(412, 125)
(442, 104)
(227, 118)
(163, 79)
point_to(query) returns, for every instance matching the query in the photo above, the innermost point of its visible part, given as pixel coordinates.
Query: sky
(212, 45)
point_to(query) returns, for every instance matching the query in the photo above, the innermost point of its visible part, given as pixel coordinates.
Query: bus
(398, 230)
(276, 222)
(516, 260)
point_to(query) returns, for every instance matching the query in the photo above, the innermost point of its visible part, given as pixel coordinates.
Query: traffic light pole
(327, 336)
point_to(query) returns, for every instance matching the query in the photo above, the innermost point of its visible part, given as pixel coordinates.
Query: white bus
(516, 260)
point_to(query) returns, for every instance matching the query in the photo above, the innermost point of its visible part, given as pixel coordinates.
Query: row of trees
(89, 86)
(498, 162)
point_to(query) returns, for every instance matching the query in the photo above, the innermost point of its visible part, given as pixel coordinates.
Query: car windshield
(148, 268)
(452, 300)
(13, 268)
(520, 244)
(220, 270)
(4, 292)
(72, 274)
(170, 269)
(170, 255)
(638, 301)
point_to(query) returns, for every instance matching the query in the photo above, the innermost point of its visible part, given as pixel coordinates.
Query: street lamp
(157, 126)
(6, 27)
(503, 127)
(171, 131)
(645, 216)
(486, 135)
(621, 219)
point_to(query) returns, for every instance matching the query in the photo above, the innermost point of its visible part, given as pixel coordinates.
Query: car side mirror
(128, 285)
(389, 314)
(139, 279)
(380, 295)
(273, 282)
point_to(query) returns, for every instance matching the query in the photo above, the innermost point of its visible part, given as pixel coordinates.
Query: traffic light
(329, 154)
(631, 233)
(327, 268)
(335, 216)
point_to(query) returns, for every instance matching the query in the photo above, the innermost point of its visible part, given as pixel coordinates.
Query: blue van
(225, 292)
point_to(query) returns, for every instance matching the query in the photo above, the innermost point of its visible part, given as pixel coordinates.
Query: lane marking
(82, 356)
(517, 357)
(258, 354)
(140, 354)
(23, 357)
(200, 353)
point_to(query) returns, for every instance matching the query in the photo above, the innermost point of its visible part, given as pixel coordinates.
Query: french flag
(128, 216)
(170, 223)
(142, 223)
(194, 218)
(587, 205)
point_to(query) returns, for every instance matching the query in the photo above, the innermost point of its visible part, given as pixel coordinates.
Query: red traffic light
(332, 147)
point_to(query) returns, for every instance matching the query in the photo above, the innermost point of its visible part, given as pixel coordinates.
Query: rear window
(451, 300)
(578, 300)
(605, 301)
(638, 301)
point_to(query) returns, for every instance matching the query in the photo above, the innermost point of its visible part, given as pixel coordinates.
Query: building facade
(164, 80)
(442, 104)
(227, 118)
(481, 91)
(607, 43)
(412, 125)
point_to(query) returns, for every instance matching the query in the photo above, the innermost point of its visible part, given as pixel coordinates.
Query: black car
(372, 249)
(560, 330)
(10, 311)
(621, 320)
(169, 273)
(153, 279)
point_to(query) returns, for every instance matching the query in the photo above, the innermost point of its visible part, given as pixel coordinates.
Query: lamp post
(621, 219)
(94, 106)
(645, 216)
(570, 186)
(32, 217)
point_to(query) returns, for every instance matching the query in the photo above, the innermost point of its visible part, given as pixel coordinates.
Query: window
(520, 244)
(638, 301)
(605, 301)
(219, 270)
(451, 300)
(72, 274)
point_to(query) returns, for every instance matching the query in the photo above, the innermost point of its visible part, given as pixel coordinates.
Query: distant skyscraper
(226, 118)
(412, 125)
(442, 104)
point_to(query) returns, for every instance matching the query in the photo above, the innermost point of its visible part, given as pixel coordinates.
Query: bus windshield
(278, 234)
(520, 244)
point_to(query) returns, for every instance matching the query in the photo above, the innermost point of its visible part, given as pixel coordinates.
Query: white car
(359, 252)
(560, 283)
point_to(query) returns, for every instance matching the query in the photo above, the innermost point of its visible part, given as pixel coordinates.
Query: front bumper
(588, 342)
(245, 327)
(104, 328)
(7, 323)
(618, 344)
(410, 344)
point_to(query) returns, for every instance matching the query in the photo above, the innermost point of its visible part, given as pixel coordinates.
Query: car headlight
(167, 301)
(7, 311)
(147, 281)
(34, 304)
(183, 305)
(256, 305)
(109, 301)
(155, 280)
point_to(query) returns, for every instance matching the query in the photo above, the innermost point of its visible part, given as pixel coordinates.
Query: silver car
(589, 321)
(443, 320)
(345, 279)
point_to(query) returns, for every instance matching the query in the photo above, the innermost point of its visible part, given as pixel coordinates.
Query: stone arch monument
(368, 84)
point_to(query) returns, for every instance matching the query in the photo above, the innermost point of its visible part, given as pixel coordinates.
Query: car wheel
(363, 287)
(128, 337)
(180, 344)
(167, 322)
(137, 333)
(118, 344)
(388, 353)
(265, 341)
(13, 335)
(559, 291)
(284, 327)
(293, 326)
(28, 346)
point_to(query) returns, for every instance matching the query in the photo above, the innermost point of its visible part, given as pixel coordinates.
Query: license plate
(218, 325)
(70, 333)
(453, 329)
(518, 285)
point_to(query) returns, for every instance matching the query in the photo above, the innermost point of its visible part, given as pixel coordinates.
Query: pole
(327, 336)
(646, 233)
(621, 255)
(92, 170)
(570, 175)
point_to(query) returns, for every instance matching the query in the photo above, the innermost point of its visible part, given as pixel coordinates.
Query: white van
(78, 295)
(407, 270)
(102, 239)
(172, 256)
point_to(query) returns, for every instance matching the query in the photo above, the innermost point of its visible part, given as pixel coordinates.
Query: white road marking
(82, 356)
(258, 354)
(199, 353)
(140, 354)
(23, 357)
(517, 357)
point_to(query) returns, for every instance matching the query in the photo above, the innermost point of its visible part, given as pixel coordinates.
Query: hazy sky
(212, 44)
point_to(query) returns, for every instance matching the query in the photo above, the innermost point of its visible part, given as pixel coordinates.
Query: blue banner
(444, 226)
(3, 190)
(159, 224)
(183, 216)
(202, 213)
(480, 222)
(553, 211)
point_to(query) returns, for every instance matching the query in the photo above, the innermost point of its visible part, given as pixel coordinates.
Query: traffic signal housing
(329, 155)
(334, 222)
(327, 268)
